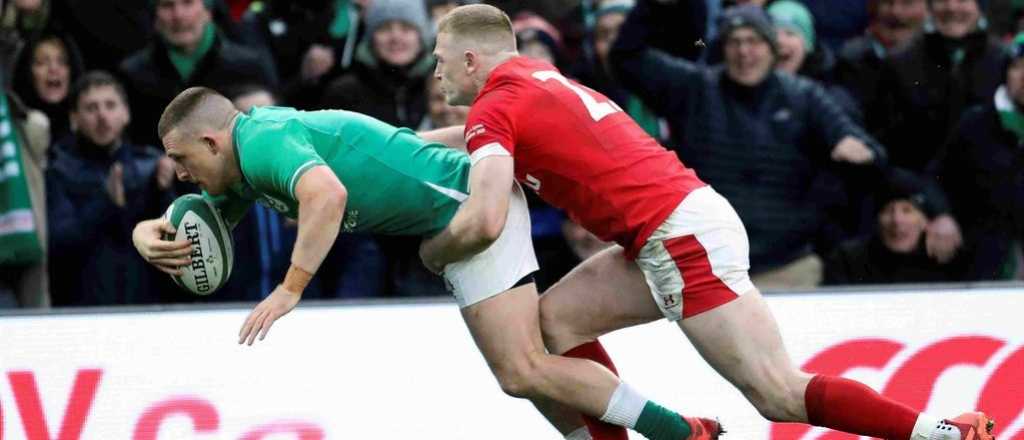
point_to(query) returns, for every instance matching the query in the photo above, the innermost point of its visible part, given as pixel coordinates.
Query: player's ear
(471, 60)
(210, 142)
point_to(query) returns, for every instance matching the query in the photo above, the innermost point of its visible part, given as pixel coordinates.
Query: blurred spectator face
(955, 18)
(28, 5)
(397, 43)
(182, 22)
(792, 52)
(898, 20)
(583, 243)
(259, 98)
(440, 9)
(1015, 81)
(100, 115)
(748, 57)
(442, 114)
(51, 73)
(902, 224)
(605, 31)
(537, 50)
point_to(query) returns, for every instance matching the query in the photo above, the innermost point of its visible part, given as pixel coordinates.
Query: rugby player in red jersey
(682, 254)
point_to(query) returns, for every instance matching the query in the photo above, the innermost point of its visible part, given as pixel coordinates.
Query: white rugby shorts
(699, 257)
(499, 267)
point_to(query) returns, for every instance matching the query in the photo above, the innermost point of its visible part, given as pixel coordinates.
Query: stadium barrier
(397, 371)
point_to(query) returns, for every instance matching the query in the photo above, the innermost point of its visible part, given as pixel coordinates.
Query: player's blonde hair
(193, 107)
(479, 25)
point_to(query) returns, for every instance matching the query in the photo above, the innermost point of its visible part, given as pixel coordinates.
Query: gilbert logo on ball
(195, 219)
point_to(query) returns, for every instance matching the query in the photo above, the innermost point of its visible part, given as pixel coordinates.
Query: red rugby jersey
(578, 150)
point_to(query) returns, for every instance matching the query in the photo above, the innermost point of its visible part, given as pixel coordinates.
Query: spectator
(537, 39)
(44, 72)
(926, 86)
(98, 187)
(597, 74)
(388, 78)
(189, 51)
(20, 20)
(799, 53)
(836, 22)
(438, 8)
(24, 139)
(439, 113)
(106, 31)
(759, 136)
(982, 171)
(893, 23)
(310, 41)
(896, 251)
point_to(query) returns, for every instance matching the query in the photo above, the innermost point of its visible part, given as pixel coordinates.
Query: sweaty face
(51, 74)
(100, 115)
(452, 71)
(902, 224)
(182, 22)
(955, 18)
(898, 20)
(748, 57)
(195, 162)
(792, 52)
(397, 43)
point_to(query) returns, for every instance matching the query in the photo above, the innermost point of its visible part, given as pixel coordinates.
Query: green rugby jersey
(398, 184)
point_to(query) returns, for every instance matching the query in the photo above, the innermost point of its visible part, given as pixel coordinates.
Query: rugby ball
(196, 219)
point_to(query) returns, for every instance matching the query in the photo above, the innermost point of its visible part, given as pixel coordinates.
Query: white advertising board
(411, 371)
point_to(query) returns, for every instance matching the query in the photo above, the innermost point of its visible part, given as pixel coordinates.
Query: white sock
(579, 434)
(930, 428)
(625, 407)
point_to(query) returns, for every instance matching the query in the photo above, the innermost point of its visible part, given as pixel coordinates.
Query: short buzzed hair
(194, 105)
(479, 23)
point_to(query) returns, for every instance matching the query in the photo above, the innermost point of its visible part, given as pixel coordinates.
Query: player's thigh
(741, 341)
(506, 327)
(605, 293)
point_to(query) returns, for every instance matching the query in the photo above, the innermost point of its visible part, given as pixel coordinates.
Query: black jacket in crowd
(868, 261)
(761, 147)
(922, 93)
(982, 172)
(92, 259)
(152, 81)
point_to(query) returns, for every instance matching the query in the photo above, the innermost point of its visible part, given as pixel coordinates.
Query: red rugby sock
(598, 430)
(850, 406)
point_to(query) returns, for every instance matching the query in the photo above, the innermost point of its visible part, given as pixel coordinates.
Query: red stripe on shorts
(702, 290)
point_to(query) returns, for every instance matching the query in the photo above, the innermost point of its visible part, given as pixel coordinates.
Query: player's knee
(518, 375)
(553, 323)
(776, 396)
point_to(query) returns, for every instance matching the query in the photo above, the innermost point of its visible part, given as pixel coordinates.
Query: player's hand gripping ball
(195, 219)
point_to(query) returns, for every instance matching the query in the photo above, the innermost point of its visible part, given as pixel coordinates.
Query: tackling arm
(480, 219)
(450, 136)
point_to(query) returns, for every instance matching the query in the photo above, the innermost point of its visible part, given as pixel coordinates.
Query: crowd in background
(861, 141)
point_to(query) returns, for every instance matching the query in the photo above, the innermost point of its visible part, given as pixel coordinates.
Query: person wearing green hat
(982, 172)
(188, 50)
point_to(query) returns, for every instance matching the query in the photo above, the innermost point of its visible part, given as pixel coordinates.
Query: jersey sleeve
(231, 208)
(274, 159)
(490, 130)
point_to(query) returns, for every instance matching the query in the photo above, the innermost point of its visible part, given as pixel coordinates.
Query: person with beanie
(538, 39)
(761, 137)
(896, 251)
(982, 172)
(925, 87)
(189, 50)
(892, 24)
(388, 80)
(799, 55)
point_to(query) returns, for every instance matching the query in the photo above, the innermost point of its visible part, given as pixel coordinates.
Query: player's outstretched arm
(480, 219)
(322, 200)
(167, 256)
(450, 136)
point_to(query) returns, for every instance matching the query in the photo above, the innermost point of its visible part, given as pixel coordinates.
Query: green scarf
(342, 21)
(1009, 115)
(19, 243)
(186, 64)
